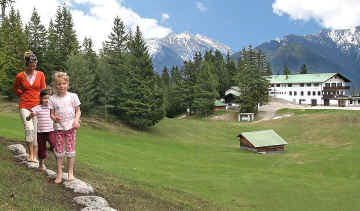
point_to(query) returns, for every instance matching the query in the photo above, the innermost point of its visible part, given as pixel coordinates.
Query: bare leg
(31, 151)
(35, 152)
(42, 165)
(59, 162)
(71, 162)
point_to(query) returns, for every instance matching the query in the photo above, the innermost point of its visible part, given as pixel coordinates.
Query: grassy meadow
(192, 164)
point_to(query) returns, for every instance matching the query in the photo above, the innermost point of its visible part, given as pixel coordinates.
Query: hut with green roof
(264, 141)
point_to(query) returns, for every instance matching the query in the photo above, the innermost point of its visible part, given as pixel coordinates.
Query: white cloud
(201, 6)
(334, 14)
(97, 21)
(164, 17)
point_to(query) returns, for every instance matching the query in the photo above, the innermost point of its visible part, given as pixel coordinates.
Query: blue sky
(236, 23)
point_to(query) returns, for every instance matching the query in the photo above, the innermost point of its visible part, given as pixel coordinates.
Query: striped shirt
(45, 123)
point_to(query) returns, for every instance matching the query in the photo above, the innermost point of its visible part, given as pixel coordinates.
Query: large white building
(313, 89)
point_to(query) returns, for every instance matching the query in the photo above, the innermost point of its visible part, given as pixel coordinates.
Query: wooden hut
(264, 141)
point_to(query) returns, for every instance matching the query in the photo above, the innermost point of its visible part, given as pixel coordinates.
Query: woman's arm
(17, 87)
(42, 81)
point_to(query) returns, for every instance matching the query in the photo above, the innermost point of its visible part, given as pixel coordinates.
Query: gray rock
(79, 186)
(91, 201)
(17, 149)
(51, 174)
(98, 209)
(20, 157)
(32, 165)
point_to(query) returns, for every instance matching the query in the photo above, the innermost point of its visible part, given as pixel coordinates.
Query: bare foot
(70, 178)
(42, 167)
(58, 180)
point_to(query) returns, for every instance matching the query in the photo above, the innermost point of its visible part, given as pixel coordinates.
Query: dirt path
(268, 111)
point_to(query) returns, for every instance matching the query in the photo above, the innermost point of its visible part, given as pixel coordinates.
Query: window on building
(277, 85)
(302, 93)
(302, 85)
(319, 93)
(289, 85)
(290, 93)
(316, 84)
(314, 93)
(351, 102)
(308, 84)
(333, 84)
(272, 85)
(309, 93)
(339, 84)
(327, 85)
(295, 93)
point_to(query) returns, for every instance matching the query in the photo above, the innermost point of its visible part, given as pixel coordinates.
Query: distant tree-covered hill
(327, 51)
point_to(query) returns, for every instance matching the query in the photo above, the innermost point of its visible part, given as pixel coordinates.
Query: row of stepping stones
(89, 202)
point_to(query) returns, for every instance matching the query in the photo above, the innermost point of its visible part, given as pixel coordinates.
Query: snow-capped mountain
(327, 51)
(174, 49)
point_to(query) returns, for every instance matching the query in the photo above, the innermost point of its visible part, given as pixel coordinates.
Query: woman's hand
(32, 114)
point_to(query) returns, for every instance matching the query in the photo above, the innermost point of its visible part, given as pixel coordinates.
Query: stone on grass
(20, 157)
(17, 149)
(32, 165)
(98, 209)
(51, 174)
(79, 186)
(91, 201)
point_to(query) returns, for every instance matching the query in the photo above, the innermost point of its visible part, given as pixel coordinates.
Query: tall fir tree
(143, 100)
(205, 91)
(286, 70)
(5, 4)
(303, 69)
(177, 97)
(36, 37)
(13, 46)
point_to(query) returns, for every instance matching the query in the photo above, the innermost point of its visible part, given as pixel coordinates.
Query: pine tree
(231, 70)
(82, 80)
(13, 46)
(36, 37)
(117, 41)
(252, 84)
(165, 77)
(205, 91)
(4, 4)
(52, 59)
(286, 70)
(143, 101)
(303, 69)
(177, 97)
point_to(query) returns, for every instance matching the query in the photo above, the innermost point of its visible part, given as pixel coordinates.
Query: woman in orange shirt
(27, 86)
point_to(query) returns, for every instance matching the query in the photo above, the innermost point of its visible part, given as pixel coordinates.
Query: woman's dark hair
(44, 92)
(29, 57)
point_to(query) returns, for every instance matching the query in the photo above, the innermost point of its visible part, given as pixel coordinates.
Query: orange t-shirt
(29, 94)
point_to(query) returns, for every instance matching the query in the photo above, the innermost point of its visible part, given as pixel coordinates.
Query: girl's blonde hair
(58, 76)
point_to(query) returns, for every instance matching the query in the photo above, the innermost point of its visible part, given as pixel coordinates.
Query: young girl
(45, 129)
(65, 112)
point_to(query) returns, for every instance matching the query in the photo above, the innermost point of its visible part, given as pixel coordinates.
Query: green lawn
(193, 163)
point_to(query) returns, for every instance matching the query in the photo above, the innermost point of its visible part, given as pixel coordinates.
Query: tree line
(120, 78)
(198, 83)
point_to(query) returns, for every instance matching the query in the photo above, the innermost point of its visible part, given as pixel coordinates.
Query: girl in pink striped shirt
(45, 128)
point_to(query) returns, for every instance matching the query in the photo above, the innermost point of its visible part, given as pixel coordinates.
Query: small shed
(264, 141)
(220, 105)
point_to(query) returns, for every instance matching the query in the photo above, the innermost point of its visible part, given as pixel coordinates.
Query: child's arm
(53, 117)
(76, 124)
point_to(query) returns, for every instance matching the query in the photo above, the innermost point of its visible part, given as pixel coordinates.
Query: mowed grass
(197, 164)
